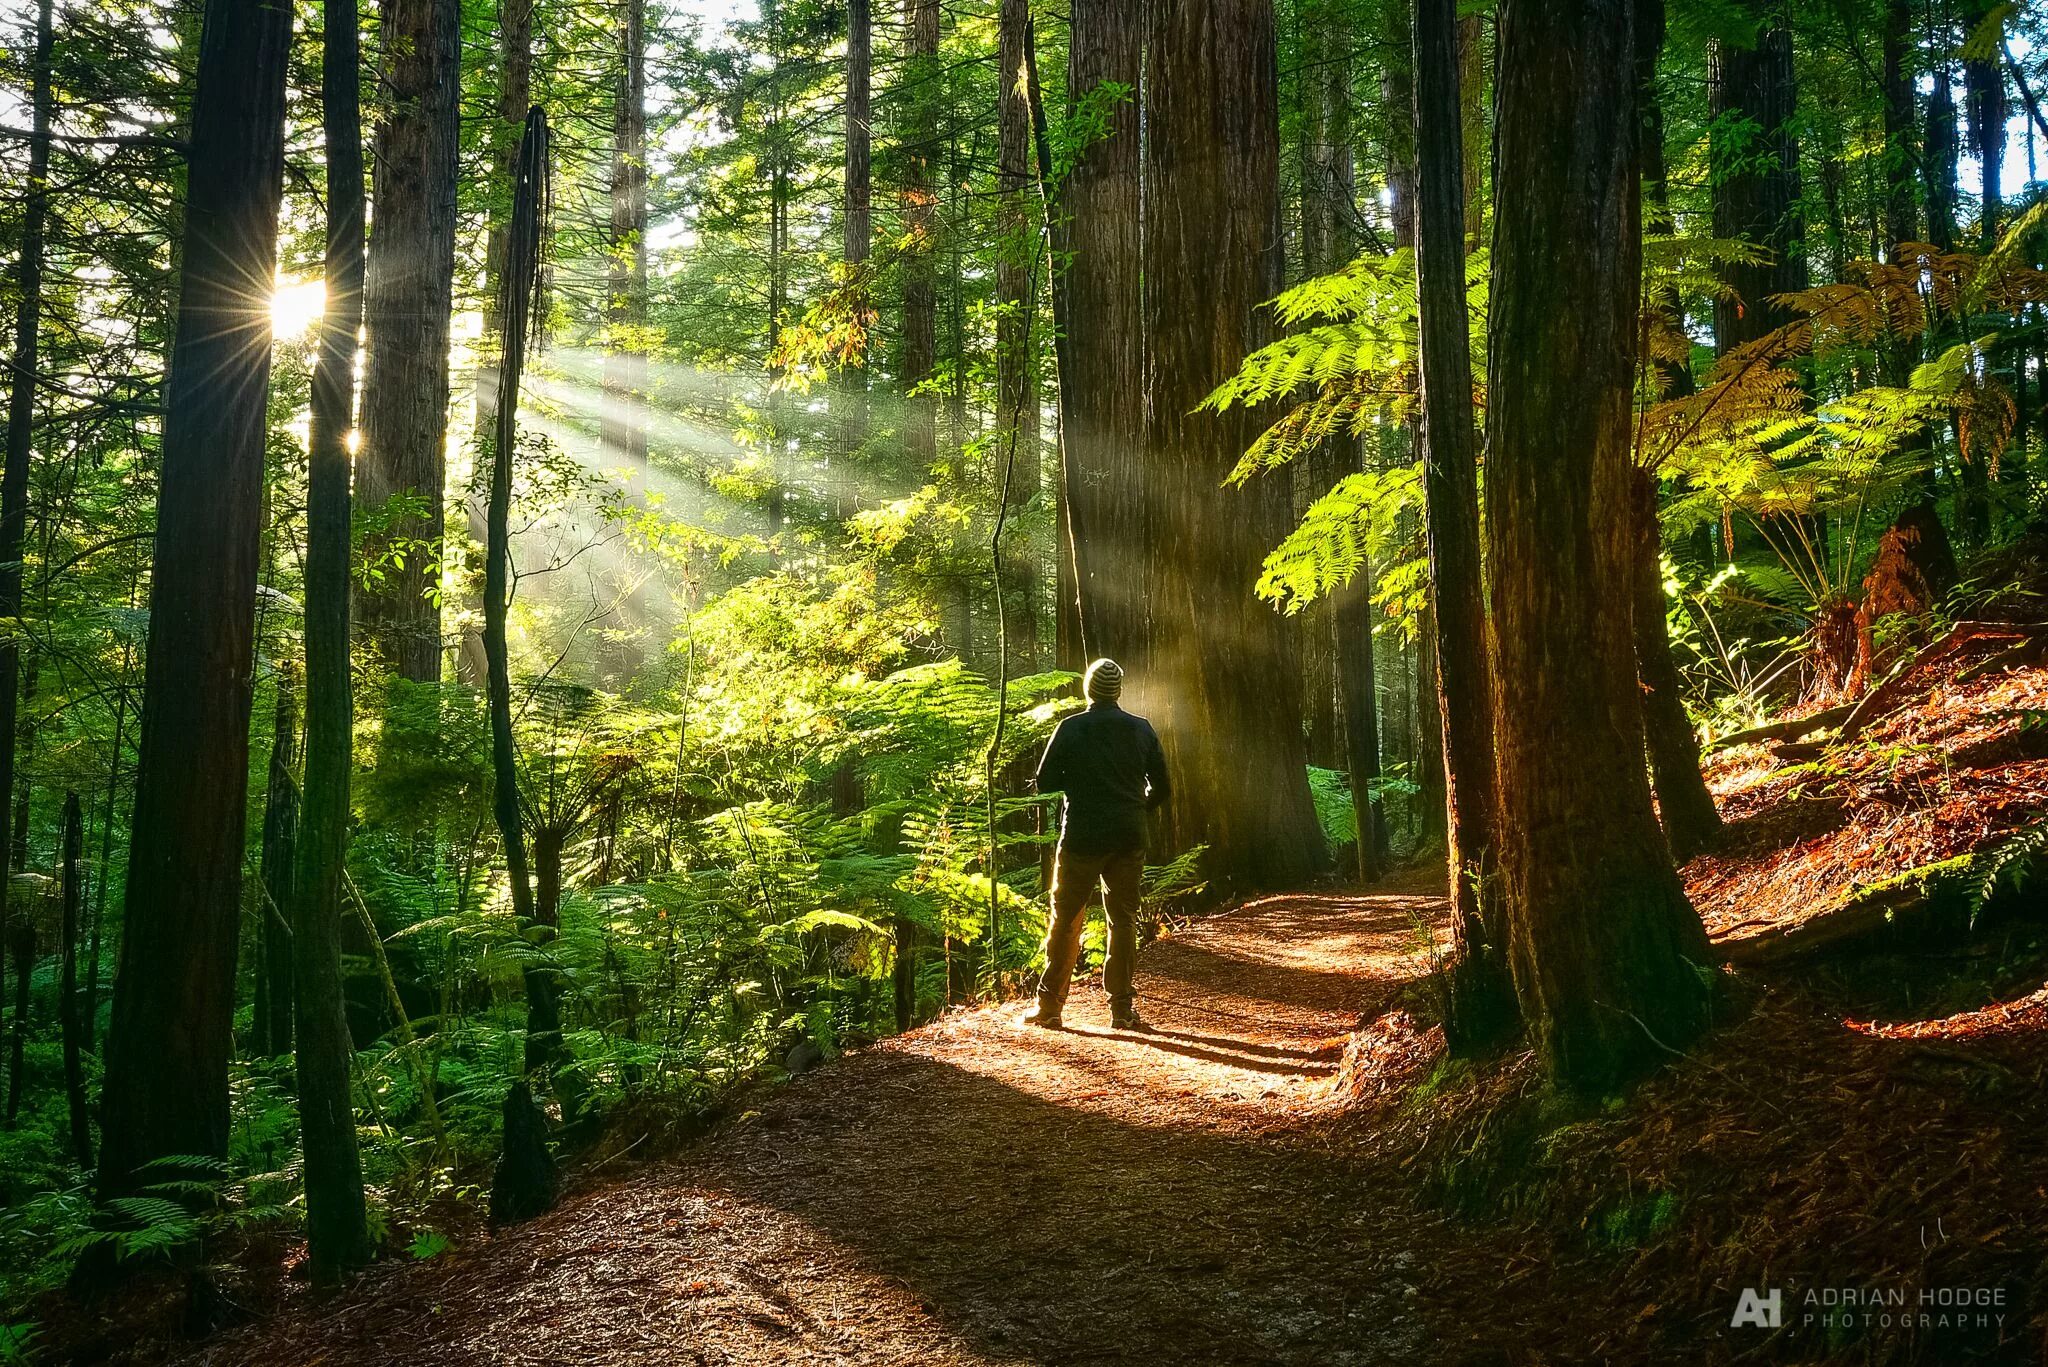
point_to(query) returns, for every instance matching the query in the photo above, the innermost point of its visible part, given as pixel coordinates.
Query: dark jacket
(1110, 766)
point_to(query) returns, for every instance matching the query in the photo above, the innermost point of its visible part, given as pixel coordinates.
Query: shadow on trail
(1061, 1234)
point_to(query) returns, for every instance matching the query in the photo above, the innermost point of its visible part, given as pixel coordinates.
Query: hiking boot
(1127, 1018)
(1043, 1018)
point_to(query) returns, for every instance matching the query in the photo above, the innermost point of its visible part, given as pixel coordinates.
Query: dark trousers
(1074, 880)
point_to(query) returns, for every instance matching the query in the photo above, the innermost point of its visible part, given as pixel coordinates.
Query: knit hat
(1103, 681)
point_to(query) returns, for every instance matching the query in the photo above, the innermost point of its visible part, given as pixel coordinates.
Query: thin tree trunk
(516, 300)
(1610, 961)
(1686, 808)
(337, 1230)
(1939, 161)
(21, 394)
(276, 874)
(407, 306)
(1984, 97)
(72, 871)
(1479, 1008)
(21, 952)
(1217, 672)
(850, 391)
(1017, 247)
(1896, 82)
(625, 366)
(166, 1089)
(920, 227)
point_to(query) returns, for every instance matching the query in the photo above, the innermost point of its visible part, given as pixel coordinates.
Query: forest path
(977, 1191)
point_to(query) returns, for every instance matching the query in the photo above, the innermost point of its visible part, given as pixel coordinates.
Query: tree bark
(1896, 80)
(166, 1089)
(72, 871)
(1346, 621)
(521, 286)
(625, 366)
(337, 1229)
(920, 227)
(1016, 380)
(280, 840)
(1607, 954)
(408, 305)
(1753, 99)
(1939, 162)
(1218, 672)
(1479, 1008)
(1102, 425)
(21, 394)
(850, 391)
(1984, 98)
(1686, 808)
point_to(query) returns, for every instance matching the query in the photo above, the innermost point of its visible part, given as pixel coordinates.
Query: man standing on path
(1109, 765)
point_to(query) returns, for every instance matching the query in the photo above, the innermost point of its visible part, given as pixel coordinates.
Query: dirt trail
(979, 1192)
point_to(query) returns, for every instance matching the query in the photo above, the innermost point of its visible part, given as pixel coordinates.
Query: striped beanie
(1103, 681)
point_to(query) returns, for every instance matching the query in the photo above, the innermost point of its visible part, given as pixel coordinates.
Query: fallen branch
(1791, 728)
(1911, 900)
(1887, 696)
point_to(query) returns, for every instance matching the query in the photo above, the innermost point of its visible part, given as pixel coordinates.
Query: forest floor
(1284, 1171)
(1287, 1169)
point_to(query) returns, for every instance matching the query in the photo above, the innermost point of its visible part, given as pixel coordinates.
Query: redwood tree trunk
(1754, 98)
(1218, 674)
(1479, 1008)
(337, 1231)
(166, 1089)
(407, 309)
(1899, 151)
(1103, 422)
(1609, 958)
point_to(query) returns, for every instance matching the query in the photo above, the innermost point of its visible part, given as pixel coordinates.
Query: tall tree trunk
(776, 159)
(625, 366)
(521, 286)
(1896, 81)
(1939, 161)
(850, 391)
(1479, 1008)
(1329, 186)
(1754, 96)
(920, 228)
(1686, 808)
(1016, 381)
(1608, 956)
(21, 953)
(72, 870)
(1984, 97)
(166, 1089)
(21, 393)
(1103, 420)
(337, 1230)
(276, 873)
(1218, 671)
(408, 306)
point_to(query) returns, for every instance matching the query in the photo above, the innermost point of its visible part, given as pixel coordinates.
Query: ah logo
(1755, 1311)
